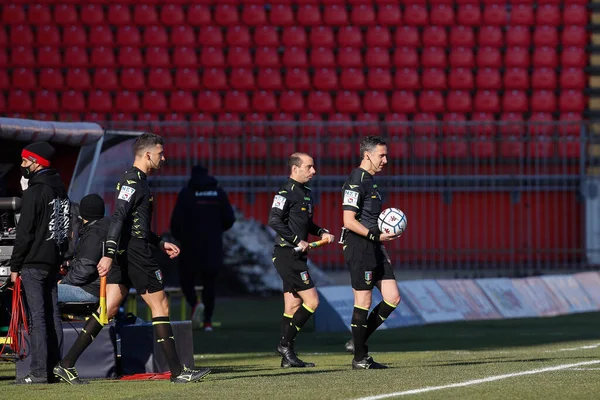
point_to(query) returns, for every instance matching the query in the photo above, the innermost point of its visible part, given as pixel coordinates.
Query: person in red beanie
(40, 244)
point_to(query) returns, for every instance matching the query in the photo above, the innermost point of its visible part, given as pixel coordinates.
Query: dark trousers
(45, 325)
(187, 278)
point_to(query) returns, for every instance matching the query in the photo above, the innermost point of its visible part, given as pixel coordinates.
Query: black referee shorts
(136, 267)
(293, 269)
(368, 262)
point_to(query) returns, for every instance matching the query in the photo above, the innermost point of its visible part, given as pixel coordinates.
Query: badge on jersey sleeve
(279, 202)
(351, 198)
(126, 193)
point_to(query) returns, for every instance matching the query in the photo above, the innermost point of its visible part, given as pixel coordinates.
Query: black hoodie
(200, 217)
(43, 228)
(88, 251)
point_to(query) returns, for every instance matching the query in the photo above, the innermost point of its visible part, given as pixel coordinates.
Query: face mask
(26, 172)
(24, 183)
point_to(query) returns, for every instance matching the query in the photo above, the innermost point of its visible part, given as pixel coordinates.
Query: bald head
(302, 167)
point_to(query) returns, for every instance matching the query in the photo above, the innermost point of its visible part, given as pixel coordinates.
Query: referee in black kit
(130, 240)
(291, 217)
(364, 253)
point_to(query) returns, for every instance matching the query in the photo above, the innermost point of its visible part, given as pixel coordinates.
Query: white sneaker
(197, 316)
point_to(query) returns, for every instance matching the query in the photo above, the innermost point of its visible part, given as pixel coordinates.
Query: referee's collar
(302, 185)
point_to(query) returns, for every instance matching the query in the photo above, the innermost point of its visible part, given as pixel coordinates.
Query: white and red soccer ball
(392, 220)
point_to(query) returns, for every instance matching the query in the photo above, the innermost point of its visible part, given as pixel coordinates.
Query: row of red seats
(307, 15)
(294, 36)
(309, 124)
(293, 79)
(294, 102)
(485, 3)
(294, 57)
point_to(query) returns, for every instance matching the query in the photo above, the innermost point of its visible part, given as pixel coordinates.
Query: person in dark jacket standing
(41, 241)
(201, 215)
(82, 283)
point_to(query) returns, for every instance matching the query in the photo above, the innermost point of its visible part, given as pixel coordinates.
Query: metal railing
(516, 197)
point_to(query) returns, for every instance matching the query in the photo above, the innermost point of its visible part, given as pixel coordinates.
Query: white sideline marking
(478, 381)
(591, 346)
(585, 369)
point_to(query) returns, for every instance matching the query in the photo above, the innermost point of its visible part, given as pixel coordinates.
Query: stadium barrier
(517, 197)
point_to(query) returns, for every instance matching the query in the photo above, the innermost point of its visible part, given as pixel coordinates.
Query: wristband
(373, 235)
(322, 231)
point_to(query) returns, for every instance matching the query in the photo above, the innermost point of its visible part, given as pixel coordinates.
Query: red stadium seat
(335, 15)
(379, 79)
(269, 78)
(172, 15)
(100, 101)
(127, 101)
(214, 79)
(322, 57)
(397, 125)
(516, 57)
(4, 79)
(211, 36)
(254, 15)
(49, 57)
(495, 15)
(458, 101)
(543, 78)
(182, 101)
(434, 36)
(13, 14)
(133, 79)
(128, 36)
(226, 15)
(211, 57)
(187, 79)
(462, 36)
(362, 15)
(573, 57)
(297, 79)
(23, 78)
(352, 79)
(375, 102)
(516, 79)
(488, 78)
(308, 15)
(380, 57)
(183, 36)
(347, 102)
(404, 102)
(267, 36)
(46, 101)
(199, 15)
(349, 57)
(512, 144)
(522, 14)
(160, 78)
(105, 79)
(101, 36)
(39, 14)
(406, 79)
(349, 36)
(490, 36)
(406, 36)
(469, 15)
(571, 101)
(575, 14)
(156, 102)
(572, 78)
(295, 57)
(574, 36)
(242, 79)
(92, 14)
(291, 102)
(144, 14)
(518, 36)
(543, 101)
(238, 57)
(78, 78)
(209, 102)
(47, 35)
(539, 124)
(378, 36)
(515, 101)
(176, 127)
(461, 57)
(545, 36)
(489, 57)
(486, 101)
(547, 14)
(416, 15)
(431, 101)
(22, 56)
(369, 124)
(285, 126)
(325, 79)
(265, 57)
(19, 101)
(433, 78)
(158, 57)
(461, 78)
(322, 36)
(389, 15)
(545, 57)
(442, 15)
(433, 57)
(74, 35)
(454, 127)
(236, 101)
(319, 102)
(51, 78)
(426, 128)
(282, 15)
(294, 36)
(156, 36)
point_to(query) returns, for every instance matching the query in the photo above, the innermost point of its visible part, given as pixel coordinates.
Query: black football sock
(300, 317)
(163, 332)
(359, 332)
(90, 330)
(286, 324)
(379, 314)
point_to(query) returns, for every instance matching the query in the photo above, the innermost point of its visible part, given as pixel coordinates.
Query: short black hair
(369, 144)
(145, 141)
(296, 159)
